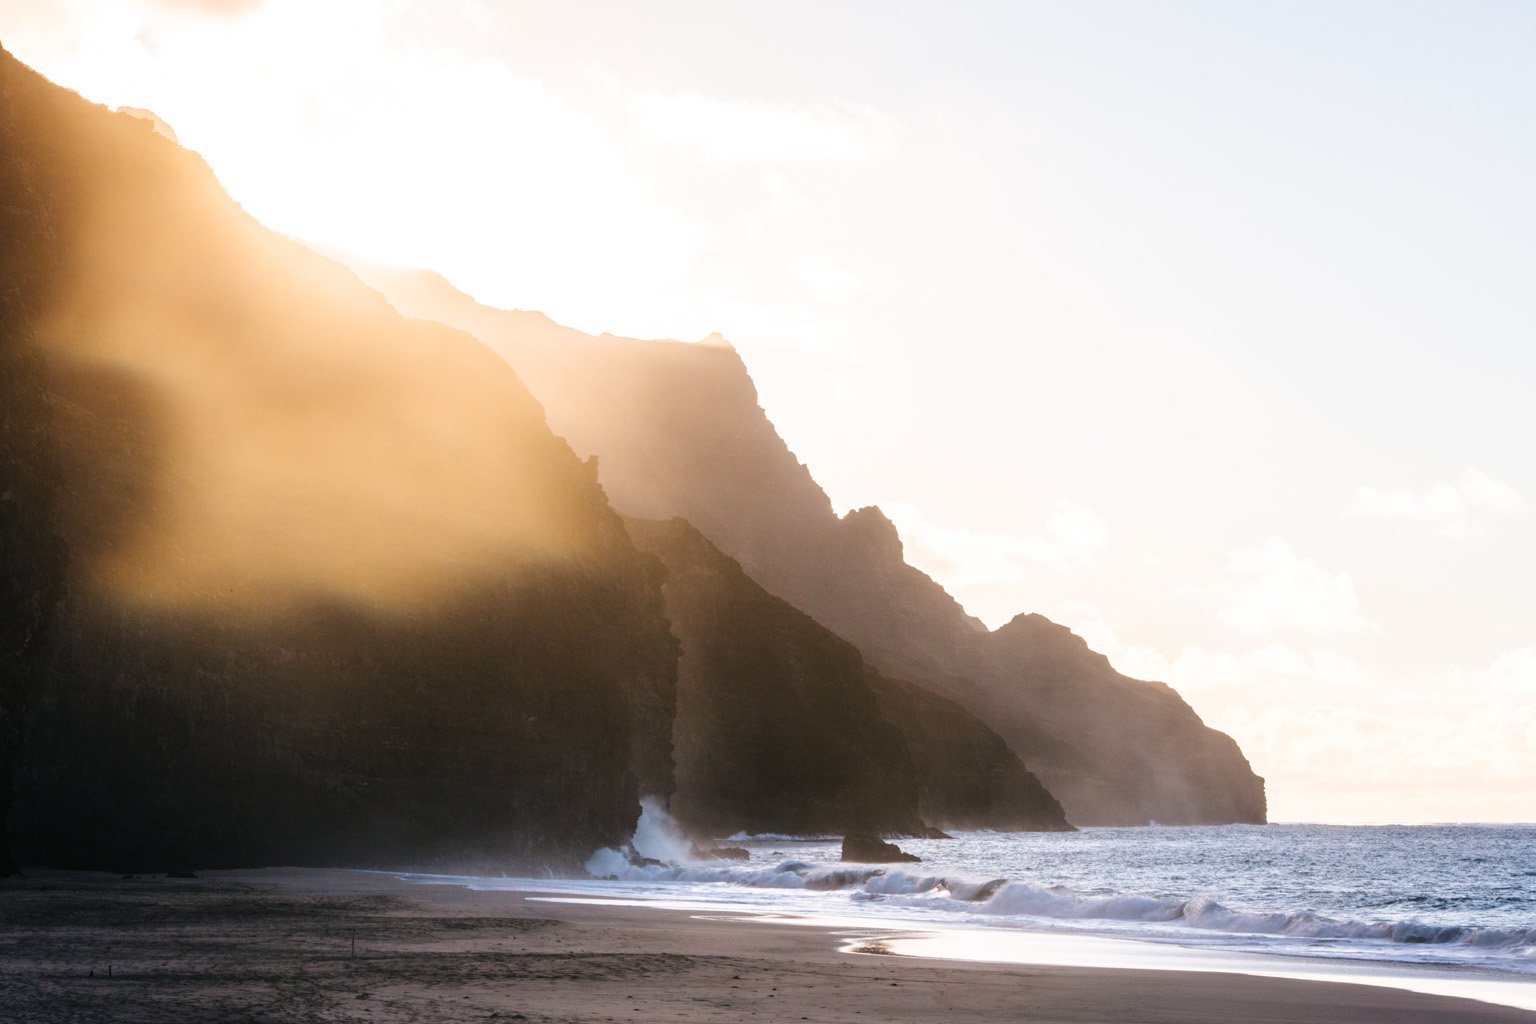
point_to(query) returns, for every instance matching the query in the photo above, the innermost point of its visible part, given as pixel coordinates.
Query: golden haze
(279, 455)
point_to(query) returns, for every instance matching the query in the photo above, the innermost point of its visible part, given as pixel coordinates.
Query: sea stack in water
(862, 848)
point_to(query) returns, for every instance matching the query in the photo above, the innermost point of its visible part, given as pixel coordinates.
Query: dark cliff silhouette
(781, 727)
(33, 557)
(967, 775)
(679, 432)
(288, 578)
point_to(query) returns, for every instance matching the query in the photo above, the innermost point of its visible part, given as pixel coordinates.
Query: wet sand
(313, 945)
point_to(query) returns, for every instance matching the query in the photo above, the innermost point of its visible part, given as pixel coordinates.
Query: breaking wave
(1008, 901)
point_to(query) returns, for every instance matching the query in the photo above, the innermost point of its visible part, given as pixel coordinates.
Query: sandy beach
(313, 945)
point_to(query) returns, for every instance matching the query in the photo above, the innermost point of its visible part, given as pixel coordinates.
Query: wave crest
(1010, 898)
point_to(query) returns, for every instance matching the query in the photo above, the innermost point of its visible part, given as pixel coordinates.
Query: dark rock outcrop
(287, 577)
(33, 558)
(679, 432)
(776, 729)
(1128, 749)
(782, 727)
(968, 778)
(863, 848)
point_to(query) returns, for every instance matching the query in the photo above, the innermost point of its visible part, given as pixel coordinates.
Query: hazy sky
(1208, 329)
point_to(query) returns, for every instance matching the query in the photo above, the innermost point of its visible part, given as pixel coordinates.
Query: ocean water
(1453, 899)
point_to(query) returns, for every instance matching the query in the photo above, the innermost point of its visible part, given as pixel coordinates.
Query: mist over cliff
(781, 727)
(679, 432)
(291, 578)
(288, 577)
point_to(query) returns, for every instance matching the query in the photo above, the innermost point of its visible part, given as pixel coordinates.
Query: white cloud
(1448, 730)
(1271, 589)
(209, 6)
(1340, 738)
(1197, 669)
(824, 277)
(1072, 538)
(730, 133)
(1514, 674)
(1455, 509)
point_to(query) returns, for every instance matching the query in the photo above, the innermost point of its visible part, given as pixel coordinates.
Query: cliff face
(776, 730)
(33, 559)
(967, 776)
(319, 584)
(782, 727)
(679, 432)
(1113, 750)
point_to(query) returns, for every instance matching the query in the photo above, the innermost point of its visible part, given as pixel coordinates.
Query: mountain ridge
(678, 431)
(781, 727)
(318, 584)
(292, 578)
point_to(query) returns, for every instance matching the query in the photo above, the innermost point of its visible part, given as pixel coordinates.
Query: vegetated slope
(678, 431)
(288, 577)
(781, 727)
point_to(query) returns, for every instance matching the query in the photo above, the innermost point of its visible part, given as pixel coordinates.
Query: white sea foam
(657, 836)
(1021, 899)
(1505, 938)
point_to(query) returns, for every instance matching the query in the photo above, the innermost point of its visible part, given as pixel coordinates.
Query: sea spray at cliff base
(1446, 895)
(657, 837)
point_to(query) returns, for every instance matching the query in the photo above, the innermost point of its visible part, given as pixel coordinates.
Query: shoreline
(305, 944)
(984, 942)
(1044, 949)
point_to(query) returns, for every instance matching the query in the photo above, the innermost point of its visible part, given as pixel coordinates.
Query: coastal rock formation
(782, 728)
(863, 848)
(967, 777)
(33, 558)
(1127, 748)
(679, 432)
(288, 578)
(776, 730)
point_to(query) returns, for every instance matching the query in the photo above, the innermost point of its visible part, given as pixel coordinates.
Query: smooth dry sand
(307, 945)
